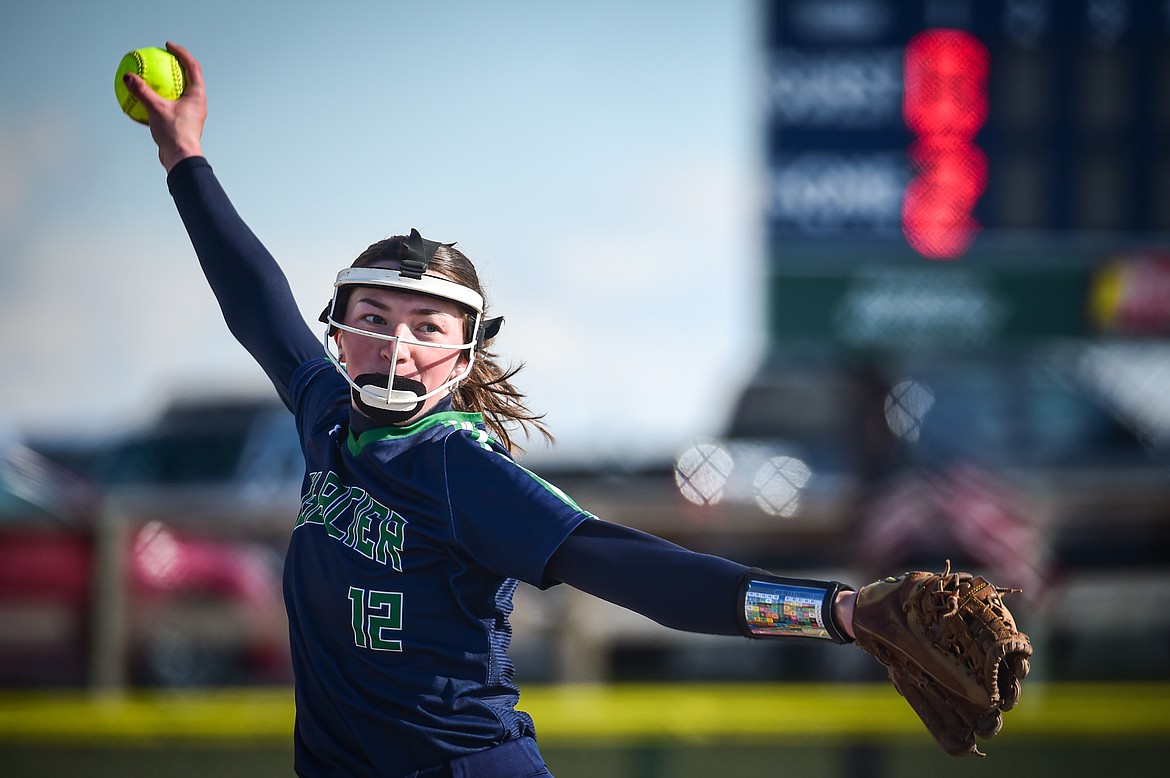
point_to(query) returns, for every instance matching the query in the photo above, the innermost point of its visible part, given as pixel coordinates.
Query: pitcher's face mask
(387, 397)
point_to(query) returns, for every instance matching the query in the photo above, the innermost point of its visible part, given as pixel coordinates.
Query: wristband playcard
(772, 609)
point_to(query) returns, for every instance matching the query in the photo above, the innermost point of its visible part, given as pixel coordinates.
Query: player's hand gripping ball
(161, 72)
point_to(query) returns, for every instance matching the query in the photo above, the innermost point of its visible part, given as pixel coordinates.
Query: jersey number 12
(373, 614)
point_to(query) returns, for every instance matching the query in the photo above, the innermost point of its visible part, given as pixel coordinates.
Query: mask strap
(417, 254)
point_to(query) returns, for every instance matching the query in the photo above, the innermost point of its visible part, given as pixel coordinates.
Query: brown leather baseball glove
(952, 650)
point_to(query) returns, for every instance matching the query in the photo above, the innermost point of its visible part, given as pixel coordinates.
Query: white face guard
(400, 395)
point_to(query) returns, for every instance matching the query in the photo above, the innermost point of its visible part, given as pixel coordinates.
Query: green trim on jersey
(450, 418)
(469, 422)
(555, 490)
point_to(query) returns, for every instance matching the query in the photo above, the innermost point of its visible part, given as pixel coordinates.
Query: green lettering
(372, 614)
(388, 549)
(353, 517)
(311, 506)
(335, 497)
(358, 536)
(385, 614)
(357, 614)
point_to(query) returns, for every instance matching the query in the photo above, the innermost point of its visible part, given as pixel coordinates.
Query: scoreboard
(894, 116)
(965, 153)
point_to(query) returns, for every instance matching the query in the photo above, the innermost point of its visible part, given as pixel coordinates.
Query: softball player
(416, 524)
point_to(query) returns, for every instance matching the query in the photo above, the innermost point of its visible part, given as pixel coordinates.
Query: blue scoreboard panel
(1020, 144)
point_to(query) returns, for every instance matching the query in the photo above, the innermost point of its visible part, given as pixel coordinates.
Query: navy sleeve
(508, 519)
(674, 586)
(252, 291)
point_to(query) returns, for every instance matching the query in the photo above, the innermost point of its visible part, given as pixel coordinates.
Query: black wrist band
(773, 606)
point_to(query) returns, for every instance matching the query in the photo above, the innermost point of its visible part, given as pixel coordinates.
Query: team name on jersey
(351, 516)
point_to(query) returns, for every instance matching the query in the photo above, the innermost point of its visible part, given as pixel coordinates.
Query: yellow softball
(159, 69)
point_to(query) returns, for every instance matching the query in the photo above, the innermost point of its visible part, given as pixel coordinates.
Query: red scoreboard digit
(944, 104)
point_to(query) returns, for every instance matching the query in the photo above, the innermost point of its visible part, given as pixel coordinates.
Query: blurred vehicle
(200, 610)
(46, 547)
(202, 602)
(226, 457)
(830, 436)
(205, 611)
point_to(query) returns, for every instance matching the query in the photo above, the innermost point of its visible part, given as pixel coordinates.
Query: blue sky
(599, 162)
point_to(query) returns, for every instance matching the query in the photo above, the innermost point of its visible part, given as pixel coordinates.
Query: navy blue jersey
(409, 544)
(399, 580)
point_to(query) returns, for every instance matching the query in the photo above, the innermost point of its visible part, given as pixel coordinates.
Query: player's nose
(397, 350)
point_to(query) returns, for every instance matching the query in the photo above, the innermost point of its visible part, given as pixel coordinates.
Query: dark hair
(488, 389)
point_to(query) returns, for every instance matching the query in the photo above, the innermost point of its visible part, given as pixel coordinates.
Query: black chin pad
(386, 415)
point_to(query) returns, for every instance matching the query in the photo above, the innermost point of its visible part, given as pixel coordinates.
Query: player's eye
(428, 330)
(374, 319)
